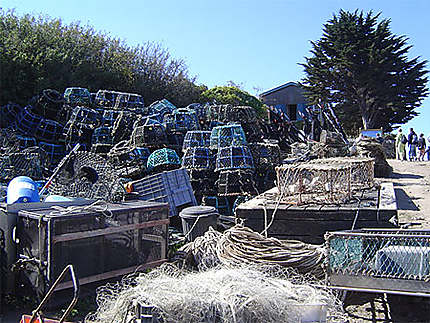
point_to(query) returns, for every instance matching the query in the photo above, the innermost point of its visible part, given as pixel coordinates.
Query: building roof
(277, 88)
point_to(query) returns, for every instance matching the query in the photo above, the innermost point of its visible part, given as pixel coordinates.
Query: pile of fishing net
(220, 294)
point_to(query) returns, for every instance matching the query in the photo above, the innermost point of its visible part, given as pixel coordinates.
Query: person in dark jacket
(421, 147)
(412, 143)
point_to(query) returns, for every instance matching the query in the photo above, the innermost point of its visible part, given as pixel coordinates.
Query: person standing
(428, 149)
(401, 145)
(412, 143)
(421, 147)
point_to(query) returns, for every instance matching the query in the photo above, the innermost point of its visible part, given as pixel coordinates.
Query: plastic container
(173, 187)
(22, 189)
(196, 220)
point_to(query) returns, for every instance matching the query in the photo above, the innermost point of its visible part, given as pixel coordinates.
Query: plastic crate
(173, 187)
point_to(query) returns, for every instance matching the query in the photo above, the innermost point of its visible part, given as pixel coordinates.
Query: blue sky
(257, 44)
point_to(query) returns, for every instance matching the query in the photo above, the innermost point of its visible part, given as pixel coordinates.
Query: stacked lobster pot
(199, 160)
(178, 123)
(266, 156)
(160, 108)
(102, 141)
(234, 161)
(164, 159)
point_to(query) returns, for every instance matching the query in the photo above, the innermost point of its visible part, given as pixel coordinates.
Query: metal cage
(166, 158)
(54, 152)
(160, 108)
(49, 131)
(236, 182)
(181, 120)
(77, 96)
(25, 142)
(102, 135)
(380, 260)
(198, 158)
(149, 135)
(265, 154)
(27, 121)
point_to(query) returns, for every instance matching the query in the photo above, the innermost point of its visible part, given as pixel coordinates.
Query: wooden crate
(99, 244)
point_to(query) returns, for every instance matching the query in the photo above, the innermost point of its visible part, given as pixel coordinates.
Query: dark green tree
(235, 96)
(361, 67)
(39, 52)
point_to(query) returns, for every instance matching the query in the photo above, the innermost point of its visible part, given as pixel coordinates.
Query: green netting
(163, 157)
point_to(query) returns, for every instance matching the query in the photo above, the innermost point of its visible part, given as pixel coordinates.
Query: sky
(256, 44)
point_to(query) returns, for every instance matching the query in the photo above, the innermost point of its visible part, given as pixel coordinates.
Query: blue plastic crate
(172, 187)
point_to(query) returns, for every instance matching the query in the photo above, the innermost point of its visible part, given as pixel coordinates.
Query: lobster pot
(48, 103)
(221, 203)
(54, 153)
(203, 181)
(102, 135)
(161, 108)
(25, 142)
(200, 109)
(236, 182)
(27, 122)
(129, 101)
(198, 158)
(362, 169)
(379, 260)
(264, 178)
(87, 116)
(24, 163)
(102, 149)
(105, 98)
(149, 135)
(163, 159)
(140, 155)
(234, 157)
(229, 135)
(109, 117)
(123, 126)
(181, 120)
(196, 139)
(77, 96)
(175, 140)
(8, 114)
(49, 131)
(80, 127)
(100, 242)
(314, 183)
(265, 154)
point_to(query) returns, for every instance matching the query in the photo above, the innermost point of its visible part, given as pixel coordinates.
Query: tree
(39, 52)
(235, 96)
(362, 67)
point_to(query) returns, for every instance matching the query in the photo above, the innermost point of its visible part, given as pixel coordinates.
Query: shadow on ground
(405, 176)
(404, 201)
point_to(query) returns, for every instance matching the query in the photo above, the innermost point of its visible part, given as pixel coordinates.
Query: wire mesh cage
(201, 110)
(123, 126)
(181, 120)
(196, 138)
(106, 98)
(9, 114)
(102, 149)
(236, 182)
(28, 162)
(160, 108)
(48, 103)
(203, 181)
(54, 153)
(77, 96)
(314, 183)
(102, 135)
(140, 155)
(221, 203)
(265, 178)
(163, 159)
(234, 157)
(25, 142)
(362, 169)
(228, 135)
(27, 121)
(109, 117)
(198, 158)
(88, 175)
(129, 101)
(393, 260)
(149, 135)
(265, 154)
(49, 131)
(81, 125)
(8, 141)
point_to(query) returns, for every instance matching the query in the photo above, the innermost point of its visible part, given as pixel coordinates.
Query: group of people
(413, 142)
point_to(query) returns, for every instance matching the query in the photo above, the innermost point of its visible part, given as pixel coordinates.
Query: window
(292, 111)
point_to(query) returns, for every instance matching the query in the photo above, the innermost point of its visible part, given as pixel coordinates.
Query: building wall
(280, 99)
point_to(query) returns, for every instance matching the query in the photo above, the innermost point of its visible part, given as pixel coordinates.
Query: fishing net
(80, 127)
(25, 142)
(129, 101)
(161, 108)
(28, 162)
(196, 138)
(314, 183)
(222, 294)
(88, 175)
(106, 98)
(229, 135)
(109, 117)
(53, 152)
(234, 157)
(202, 181)
(123, 126)
(198, 158)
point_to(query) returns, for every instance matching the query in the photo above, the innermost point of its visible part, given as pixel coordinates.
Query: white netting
(222, 294)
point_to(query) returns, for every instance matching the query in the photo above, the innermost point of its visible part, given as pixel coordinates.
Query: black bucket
(196, 220)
